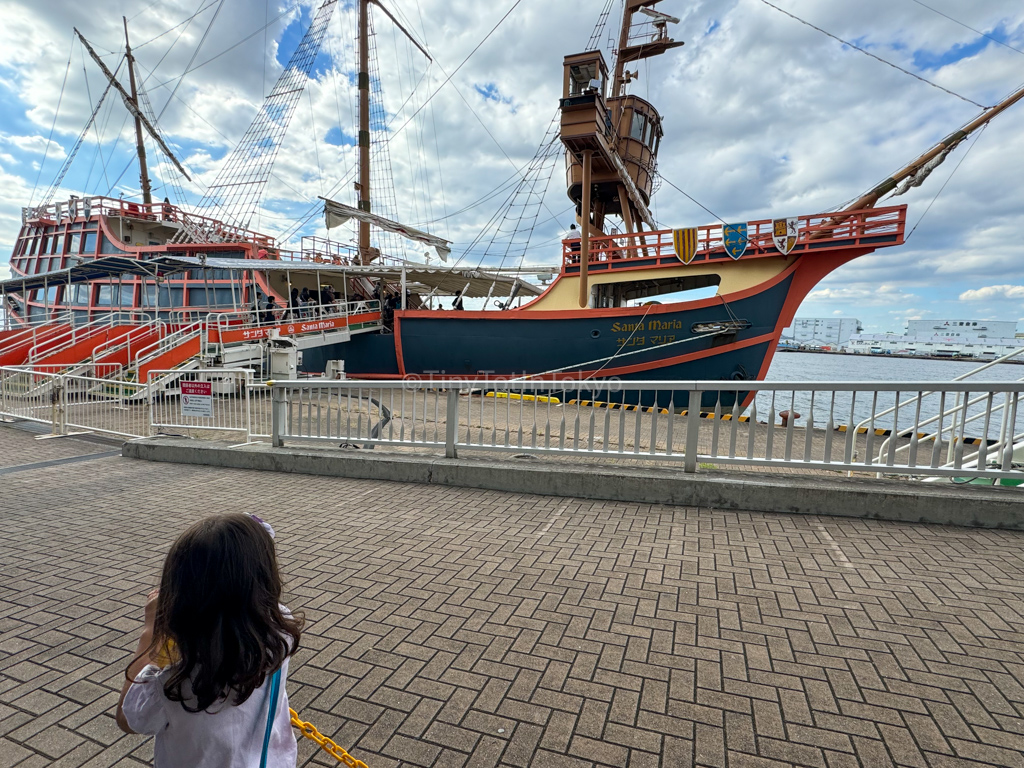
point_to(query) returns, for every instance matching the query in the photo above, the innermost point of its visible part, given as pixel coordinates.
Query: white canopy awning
(337, 214)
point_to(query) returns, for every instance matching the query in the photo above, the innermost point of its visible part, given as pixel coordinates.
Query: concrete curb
(947, 504)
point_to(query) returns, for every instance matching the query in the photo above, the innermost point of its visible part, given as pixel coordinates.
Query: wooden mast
(584, 298)
(364, 128)
(147, 192)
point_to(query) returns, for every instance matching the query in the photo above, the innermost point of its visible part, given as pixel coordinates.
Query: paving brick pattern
(471, 628)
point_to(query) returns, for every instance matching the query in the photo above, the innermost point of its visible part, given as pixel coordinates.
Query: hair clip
(265, 524)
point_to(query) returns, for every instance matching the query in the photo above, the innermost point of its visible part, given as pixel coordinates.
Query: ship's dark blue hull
(666, 342)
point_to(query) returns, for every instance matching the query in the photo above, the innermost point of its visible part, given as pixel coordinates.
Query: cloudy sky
(764, 117)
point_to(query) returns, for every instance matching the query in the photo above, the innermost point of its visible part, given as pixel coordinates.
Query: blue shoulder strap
(275, 691)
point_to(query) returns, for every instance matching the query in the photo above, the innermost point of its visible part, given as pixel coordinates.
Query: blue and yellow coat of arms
(734, 238)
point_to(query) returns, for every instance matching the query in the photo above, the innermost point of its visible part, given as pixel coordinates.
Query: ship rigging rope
(966, 26)
(189, 70)
(877, 58)
(618, 354)
(171, 29)
(53, 127)
(949, 179)
(316, 209)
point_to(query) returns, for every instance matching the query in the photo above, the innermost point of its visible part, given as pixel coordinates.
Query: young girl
(218, 620)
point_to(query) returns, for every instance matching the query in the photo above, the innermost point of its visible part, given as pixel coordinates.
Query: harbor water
(815, 367)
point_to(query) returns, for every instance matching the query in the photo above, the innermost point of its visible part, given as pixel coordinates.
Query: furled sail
(337, 214)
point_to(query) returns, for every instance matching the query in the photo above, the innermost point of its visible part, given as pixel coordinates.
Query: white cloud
(863, 293)
(36, 145)
(756, 125)
(994, 293)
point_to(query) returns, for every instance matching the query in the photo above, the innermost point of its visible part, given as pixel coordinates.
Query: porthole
(594, 334)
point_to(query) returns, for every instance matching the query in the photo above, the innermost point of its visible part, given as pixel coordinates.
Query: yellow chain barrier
(167, 654)
(338, 753)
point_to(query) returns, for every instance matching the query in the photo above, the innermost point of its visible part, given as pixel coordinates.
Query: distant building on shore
(977, 339)
(963, 329)
(821, 331)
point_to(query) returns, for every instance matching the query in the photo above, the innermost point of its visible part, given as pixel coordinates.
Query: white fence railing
(70, 402)
(748, 424)
(928, 429)
(200, 399)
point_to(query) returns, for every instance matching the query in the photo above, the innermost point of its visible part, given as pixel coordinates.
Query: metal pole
(692, 432)
(277, 414)
(451, 423)
(403, 287)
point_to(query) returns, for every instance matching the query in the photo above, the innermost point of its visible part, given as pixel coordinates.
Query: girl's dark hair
(220, 605)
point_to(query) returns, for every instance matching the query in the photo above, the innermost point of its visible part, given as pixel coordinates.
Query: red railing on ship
(87, 207)
(854, 229)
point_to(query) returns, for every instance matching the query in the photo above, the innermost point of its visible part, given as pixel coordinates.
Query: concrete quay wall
(941, 503)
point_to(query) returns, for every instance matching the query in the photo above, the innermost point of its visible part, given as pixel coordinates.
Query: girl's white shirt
(228, 737)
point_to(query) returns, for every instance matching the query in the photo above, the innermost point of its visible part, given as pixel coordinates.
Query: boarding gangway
(15, 348)
(78, 344)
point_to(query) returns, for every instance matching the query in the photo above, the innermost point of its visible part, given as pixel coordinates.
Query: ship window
(127, 294)
(109, 246)
(212, 297)
(58, 244)
(109, 295)
(170, 297)
(637, 129)
(79, 295)
(147, 296)
(51, 295)
(74, 242)
(580, 76)
(89, 244)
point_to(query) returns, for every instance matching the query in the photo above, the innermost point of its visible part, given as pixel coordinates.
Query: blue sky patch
(339, 138)
(491, 92)
(931, 60)
(292, 36)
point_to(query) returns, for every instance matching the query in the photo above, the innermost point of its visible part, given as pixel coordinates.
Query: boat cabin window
(637, 129)
(645, 130)
(583, 77)
(89, 243)
(211, 297)
(78, 295)
(109, 246)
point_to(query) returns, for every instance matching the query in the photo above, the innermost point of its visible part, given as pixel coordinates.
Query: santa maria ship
(94, 274)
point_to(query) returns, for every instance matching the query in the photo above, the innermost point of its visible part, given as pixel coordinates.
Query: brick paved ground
(470, 628)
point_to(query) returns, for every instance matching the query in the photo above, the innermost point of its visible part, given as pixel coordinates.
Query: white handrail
(961, 377)
(169, 341)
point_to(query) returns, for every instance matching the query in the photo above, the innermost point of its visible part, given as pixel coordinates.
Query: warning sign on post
(197, 399)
